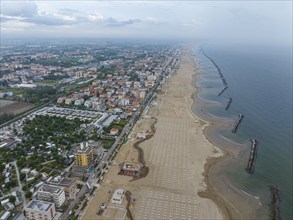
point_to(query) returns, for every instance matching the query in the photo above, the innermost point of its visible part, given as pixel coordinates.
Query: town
(66, 108)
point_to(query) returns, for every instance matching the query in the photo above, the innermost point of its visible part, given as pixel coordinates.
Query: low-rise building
(69, 184)
(60, 100)
(129, 169)
(5, 215)
(79, 102)
(118, 196)
(25, 170)
(51, 193)
(114, 131)
(88, 103)
(69, 101)
(37, 209)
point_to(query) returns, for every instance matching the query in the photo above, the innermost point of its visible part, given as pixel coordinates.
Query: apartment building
(69, 185)
(51, 193)
(39, 210)
(83, 155)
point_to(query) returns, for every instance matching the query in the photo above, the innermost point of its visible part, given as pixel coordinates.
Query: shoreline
(176, 156)
(229, 200)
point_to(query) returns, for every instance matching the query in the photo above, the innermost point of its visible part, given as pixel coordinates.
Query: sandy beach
(176, 155)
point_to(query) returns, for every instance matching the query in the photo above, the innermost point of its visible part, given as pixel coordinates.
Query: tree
(2, 166)
(12, 199)
(28, 194)
(24, 188)
(15, 131)
(21, 162)
(22, 176)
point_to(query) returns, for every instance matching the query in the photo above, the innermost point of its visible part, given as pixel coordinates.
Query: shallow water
(260, 84)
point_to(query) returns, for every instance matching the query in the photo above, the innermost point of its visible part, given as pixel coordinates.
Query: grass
(46, 170)
(15, 91)
(54, 173)
(56, 165)
(107, 143)
(49, 82)
(122, 122)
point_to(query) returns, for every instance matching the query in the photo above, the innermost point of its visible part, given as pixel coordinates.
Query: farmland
(14, 107)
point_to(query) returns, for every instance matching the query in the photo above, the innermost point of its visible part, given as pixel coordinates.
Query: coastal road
(125, 131)
(93, 178)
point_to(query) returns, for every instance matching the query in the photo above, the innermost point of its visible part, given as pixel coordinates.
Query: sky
(244, 21)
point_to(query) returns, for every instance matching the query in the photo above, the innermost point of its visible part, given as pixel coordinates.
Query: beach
(186, 172)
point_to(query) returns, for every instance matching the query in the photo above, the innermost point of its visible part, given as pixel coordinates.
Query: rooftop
(131, 167)
(83, 148)
(50, 189)
(40, 205)
(66, 181)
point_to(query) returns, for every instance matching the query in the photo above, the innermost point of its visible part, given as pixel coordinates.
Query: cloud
(192, 23)
(18, 8)
(112, 22)
(154, 20)
(49, 20)
(28, 11)
(245, 16)
(95, 17)
(4, 19)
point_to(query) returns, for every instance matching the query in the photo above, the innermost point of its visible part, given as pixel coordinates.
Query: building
(83, 155)
(69, 101)
(60, 100)
(129, 169)
(5, 216)
(98, 105)
(141, 135)
(40, 210)
(118, 196)
(69, 185)
(79, 102)
(114, 131)
(51, 193)
(88, 103)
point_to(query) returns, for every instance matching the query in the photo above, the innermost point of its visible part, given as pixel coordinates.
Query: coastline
(233, 203)
(176, 156)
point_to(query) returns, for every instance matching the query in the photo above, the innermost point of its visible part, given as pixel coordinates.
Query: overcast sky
(247, 21)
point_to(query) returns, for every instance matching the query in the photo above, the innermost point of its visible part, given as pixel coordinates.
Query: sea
(259, 82)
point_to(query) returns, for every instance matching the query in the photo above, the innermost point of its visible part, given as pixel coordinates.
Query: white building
(51, 193)
(142, 94)
(25, 170)
(88, 103)
(118, 196)
(98, 105)
(5, 216)
(125, 101)
(69, 101)
(40, 210)
(79, 102)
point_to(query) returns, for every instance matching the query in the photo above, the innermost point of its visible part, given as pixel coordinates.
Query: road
(19, 184)
(124, 133)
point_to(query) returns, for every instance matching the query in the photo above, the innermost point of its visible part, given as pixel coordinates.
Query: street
(124, 133)
(19, 184)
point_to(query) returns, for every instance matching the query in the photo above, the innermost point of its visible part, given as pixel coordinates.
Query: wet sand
(234, 203)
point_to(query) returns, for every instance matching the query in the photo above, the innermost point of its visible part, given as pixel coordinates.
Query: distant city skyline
(268, 22)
